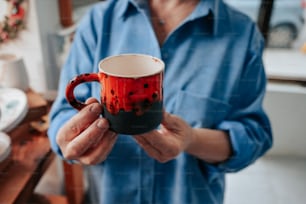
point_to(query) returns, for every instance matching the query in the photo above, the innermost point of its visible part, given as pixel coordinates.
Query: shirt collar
(125, 6)
(215, 7)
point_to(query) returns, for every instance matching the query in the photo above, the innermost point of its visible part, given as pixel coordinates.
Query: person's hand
(168, 142)
(86, 137)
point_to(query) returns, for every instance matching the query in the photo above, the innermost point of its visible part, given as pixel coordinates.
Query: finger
(156, 139)
(169, 121)
(148, 148)
(145, 143)
(168, 146)
(91, 100)
(80, 144)
(99, 152)
(79, 122)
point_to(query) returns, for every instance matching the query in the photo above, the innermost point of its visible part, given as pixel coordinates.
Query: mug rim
(161, 69)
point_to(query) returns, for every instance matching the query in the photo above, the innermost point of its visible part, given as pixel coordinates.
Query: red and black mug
(131, 92)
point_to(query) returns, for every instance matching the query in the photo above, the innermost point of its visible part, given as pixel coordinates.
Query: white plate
(13, 108)
(5, 146)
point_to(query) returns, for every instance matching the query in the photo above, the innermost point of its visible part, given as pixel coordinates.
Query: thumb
(169, 121)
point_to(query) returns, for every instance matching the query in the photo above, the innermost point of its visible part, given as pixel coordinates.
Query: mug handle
(88, 77)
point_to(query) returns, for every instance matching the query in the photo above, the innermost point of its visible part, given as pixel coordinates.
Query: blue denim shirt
(214, 78)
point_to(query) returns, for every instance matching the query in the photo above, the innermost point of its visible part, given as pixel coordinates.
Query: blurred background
(280, 176)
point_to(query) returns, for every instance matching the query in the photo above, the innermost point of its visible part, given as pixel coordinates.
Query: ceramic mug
(131, 92)
(13, 73)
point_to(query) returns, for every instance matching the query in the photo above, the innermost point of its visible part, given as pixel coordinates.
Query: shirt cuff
(243, 147)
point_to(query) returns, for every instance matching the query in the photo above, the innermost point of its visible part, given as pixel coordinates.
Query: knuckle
(59, 140)
(92, 160)
(67, 155)
(172, 152)
(60, 137)
(163, 159)
(75, 129)
(88, 161)
(70, 152)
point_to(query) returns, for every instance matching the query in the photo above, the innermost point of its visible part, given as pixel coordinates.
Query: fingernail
(101, 124)
(95, 108)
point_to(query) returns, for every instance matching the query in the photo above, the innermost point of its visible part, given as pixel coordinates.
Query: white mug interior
(131, 65)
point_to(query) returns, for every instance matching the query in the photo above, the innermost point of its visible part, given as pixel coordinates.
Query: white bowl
(14, 107)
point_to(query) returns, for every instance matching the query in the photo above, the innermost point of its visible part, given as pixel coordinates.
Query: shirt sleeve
(80, 60)
(248, 125)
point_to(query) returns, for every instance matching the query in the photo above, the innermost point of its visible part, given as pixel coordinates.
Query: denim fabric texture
(214, 78)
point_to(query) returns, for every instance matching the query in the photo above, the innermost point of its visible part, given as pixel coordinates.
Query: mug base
(129, 123)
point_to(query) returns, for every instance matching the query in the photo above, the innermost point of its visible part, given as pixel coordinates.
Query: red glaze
(121, 94)
(130, 94)
(75, 82)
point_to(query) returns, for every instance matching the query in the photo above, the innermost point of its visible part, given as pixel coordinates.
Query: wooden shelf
(37, 106)
(30, 157)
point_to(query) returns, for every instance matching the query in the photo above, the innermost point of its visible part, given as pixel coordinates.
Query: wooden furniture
(65, 11)
(74, 186)
(31, 156)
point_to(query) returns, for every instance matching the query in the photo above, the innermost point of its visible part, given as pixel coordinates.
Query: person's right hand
(86, 137)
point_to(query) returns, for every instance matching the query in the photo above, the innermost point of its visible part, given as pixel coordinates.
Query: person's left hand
(168, 142)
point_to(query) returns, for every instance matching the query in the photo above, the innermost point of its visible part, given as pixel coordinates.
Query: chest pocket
(200, 111)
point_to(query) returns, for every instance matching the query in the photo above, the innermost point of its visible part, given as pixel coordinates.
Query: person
(213, 121)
